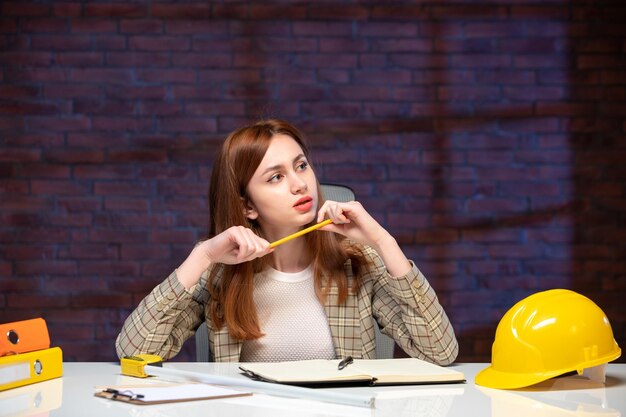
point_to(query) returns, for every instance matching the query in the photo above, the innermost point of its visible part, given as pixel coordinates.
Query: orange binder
(23, 336)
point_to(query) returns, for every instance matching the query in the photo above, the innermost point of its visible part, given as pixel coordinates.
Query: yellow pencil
(300, 233)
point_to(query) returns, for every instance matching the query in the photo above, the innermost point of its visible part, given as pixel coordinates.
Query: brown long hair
(231, 286)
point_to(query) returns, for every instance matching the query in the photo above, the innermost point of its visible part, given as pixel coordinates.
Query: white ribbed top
(292, 318)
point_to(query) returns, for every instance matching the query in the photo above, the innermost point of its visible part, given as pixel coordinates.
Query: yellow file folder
(31, 367)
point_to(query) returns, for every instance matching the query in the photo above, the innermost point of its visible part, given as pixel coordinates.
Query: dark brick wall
(489, 137)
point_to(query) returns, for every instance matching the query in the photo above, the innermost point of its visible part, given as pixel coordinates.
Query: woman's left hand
(353, 221)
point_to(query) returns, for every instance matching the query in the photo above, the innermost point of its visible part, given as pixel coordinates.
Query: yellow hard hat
(545, 335)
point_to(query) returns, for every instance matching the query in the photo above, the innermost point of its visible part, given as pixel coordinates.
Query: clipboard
(162, 394)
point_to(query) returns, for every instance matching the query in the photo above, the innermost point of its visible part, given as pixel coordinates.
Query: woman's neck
(292, 256)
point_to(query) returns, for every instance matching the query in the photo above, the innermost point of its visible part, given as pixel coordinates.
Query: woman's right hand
(233, 246)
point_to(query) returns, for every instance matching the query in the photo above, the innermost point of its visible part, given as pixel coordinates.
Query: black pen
(345, 362)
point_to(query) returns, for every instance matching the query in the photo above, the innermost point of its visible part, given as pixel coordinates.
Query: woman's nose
(298, 185)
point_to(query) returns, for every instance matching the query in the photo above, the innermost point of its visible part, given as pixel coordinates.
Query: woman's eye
(302, 166)
(274, 178)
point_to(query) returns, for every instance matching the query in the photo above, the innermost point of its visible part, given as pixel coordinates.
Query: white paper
(178, 392)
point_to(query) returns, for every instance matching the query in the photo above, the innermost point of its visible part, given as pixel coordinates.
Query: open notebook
(366, 371)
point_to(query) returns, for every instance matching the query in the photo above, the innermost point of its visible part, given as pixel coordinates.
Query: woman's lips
(304, 204)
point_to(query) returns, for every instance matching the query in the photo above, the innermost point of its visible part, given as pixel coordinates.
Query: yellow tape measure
(135, 365)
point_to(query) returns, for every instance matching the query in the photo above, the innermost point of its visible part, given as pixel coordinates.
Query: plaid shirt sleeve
(164, 319)
(407, 309)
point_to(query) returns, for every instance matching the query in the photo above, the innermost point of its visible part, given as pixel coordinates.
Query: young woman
(312, 297)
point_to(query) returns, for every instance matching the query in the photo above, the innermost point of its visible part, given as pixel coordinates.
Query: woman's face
(283, 189)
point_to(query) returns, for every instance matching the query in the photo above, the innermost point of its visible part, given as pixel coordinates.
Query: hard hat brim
(492, 378)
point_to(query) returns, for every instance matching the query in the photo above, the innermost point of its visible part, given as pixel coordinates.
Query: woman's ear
(249, 210)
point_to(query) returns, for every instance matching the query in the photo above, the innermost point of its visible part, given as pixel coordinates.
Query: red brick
(405, 220)
(433, 60)
(93, 26)
(57, 124)
(136, 221)
(45, 170)
(105, 75)
(481, 61)
(47, 267)
(289, 12)
(148, 252)
(97, 106)
(24, 203)
(42, 187)
(545, 157)
(183, 11)
(512, 76)
(173, 236)
(189, 124)
(338, 12)
(308, 61)
(10, 285)
(122, 124)
(19, 154)
(115, 10)
(469, 11)
(159, 43)
(172, 173)
(121, 188)
(50, 25)
(79, 58)
(80, 204)
(202, 60)
(95, 140)
(175, 76)
(73, 332)
(157, 269)
(314, 93)
(26, 58)
(495, 30)
(60, 42)
(138, 59)
(29, 300)
(399, 12)
(74, 156)
(391, 30)
(126, 204)
(515, 251)
(67, 9)
(19, 8)
(251, 30)
(468, 93)
(109, 42)
(34, 108)
(107, 268)
(136, 92)
(496, 205)
(538, 61)
(544, 124)
(18, 92)
(68, 90)
(321, 28)
(197, 27)
(349, 92)
(142, 26)
(8, 26)
(100, 300)
(217, 45)
(33, 74)
(244, 76)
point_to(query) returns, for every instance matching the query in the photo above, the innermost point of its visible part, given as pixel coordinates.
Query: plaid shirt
(406, 309)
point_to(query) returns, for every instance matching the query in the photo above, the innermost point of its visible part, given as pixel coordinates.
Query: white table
(72, 395)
